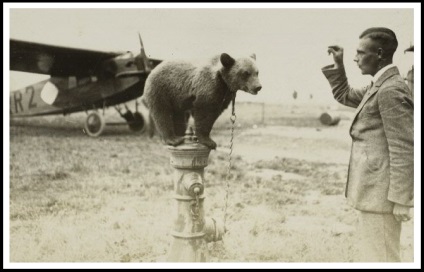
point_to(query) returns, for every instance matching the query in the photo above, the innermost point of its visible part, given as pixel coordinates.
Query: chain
(233, 120)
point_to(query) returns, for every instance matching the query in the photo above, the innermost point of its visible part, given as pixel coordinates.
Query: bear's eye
(246, 73)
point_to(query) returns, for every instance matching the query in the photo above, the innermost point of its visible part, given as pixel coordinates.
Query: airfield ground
(79, 199)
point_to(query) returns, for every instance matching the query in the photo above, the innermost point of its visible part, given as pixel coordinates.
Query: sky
(290, 43)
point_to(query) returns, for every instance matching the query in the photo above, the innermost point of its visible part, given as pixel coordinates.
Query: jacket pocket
(375, 159)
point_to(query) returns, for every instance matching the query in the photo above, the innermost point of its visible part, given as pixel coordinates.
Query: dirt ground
(76, 199)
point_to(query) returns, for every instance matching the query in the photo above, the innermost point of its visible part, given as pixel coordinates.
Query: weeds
(78, 199)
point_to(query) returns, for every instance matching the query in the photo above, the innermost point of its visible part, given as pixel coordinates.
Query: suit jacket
(381, 166)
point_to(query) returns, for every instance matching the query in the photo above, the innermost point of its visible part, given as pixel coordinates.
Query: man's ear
(227, 60)
(380, 52)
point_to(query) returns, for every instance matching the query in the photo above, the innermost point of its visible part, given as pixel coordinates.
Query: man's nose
(356, 59)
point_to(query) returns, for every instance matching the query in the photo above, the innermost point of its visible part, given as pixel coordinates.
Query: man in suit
(381, 167)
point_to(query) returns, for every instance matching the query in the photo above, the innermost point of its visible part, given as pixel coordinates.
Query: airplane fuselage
(73, 93)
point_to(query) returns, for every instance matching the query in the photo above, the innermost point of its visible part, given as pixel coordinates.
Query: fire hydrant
(191, 230)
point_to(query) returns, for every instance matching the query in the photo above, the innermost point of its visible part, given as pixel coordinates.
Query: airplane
(81, 80)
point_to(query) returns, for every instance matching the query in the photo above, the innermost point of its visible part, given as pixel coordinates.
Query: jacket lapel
(389, 73)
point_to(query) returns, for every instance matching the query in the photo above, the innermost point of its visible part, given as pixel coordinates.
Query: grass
(107, 199)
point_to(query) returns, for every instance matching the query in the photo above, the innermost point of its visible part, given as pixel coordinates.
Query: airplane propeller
(142, 60)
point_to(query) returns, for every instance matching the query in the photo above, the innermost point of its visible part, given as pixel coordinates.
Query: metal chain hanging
(233, 120)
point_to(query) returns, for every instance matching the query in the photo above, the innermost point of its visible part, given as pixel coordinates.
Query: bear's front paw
(174, 141)
(208, 142)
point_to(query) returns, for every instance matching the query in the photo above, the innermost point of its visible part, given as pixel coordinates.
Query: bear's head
(240, 73)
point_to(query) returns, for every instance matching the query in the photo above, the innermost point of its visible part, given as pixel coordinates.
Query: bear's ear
(253, 56)
(227, 60)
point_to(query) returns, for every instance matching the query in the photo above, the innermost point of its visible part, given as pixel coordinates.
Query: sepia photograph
(211, 135)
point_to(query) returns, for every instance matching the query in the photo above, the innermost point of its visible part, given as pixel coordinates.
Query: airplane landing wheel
(138, 123)
(94, 124)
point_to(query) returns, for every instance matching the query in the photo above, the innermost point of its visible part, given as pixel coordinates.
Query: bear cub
(174, 88)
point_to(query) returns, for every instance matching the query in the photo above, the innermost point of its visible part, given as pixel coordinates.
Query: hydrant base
(188, 250)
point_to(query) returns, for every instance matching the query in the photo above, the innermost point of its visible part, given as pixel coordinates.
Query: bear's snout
(255, 90)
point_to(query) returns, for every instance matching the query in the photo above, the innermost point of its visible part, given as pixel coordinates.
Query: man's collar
(382, 70)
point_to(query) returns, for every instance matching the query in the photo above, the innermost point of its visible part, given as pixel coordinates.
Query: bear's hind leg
(203, 122)
(165, 125)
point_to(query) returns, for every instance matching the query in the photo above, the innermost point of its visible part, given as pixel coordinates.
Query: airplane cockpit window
(83, 80)
(79, 81)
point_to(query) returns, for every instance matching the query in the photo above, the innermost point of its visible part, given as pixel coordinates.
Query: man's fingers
(331, 51)
(402, 217)
(336, 50)
(336, 47)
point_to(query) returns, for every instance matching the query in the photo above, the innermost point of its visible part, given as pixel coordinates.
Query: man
(381, 167)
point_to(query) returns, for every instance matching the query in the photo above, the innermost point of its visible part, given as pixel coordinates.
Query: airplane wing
(55, 60)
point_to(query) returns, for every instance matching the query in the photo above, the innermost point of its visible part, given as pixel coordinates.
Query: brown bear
(205, 90)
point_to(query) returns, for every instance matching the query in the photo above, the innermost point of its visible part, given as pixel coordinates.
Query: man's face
(367, 57)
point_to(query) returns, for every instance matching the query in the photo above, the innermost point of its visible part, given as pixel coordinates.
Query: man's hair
(385, 37)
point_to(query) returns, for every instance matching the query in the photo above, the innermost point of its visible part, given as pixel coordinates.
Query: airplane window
(83, 80)
(72, 82)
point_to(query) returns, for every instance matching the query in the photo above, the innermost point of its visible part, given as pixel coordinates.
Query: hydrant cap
(190, 142)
